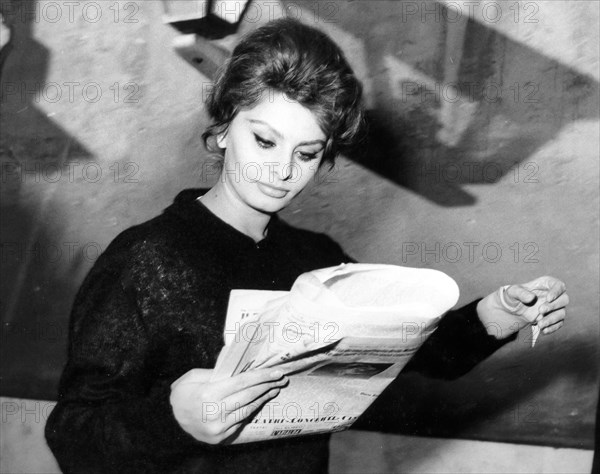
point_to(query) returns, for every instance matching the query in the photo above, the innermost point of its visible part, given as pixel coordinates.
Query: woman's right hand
(212, 411)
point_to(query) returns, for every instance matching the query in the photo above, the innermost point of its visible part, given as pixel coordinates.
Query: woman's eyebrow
(280, 135)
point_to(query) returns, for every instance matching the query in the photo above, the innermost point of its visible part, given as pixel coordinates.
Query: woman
(147, 323)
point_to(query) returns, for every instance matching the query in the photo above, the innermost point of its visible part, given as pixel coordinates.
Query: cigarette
(535, 332)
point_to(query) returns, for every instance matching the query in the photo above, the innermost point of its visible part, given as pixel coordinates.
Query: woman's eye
(262, 142)
(307, 156)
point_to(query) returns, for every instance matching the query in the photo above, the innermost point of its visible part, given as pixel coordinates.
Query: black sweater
(153, 307)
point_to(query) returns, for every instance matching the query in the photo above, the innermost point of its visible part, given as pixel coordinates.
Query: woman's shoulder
(163, 233)
(154, 234)
(138, 249)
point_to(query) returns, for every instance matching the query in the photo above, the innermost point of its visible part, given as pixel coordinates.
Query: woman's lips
(272, 191)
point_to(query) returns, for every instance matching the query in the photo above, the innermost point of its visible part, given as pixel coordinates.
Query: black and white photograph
(398, 200)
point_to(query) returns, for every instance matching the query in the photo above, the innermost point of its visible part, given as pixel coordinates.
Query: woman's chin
(269, 209)
(269, 205)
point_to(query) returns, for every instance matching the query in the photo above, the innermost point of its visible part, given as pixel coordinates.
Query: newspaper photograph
(341, 335)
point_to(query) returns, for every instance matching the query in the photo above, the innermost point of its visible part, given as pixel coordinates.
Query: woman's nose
(285, 168)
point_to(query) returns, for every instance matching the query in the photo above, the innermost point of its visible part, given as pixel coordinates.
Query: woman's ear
(222, 140)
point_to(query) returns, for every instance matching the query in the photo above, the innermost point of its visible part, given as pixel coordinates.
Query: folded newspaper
(341, 334)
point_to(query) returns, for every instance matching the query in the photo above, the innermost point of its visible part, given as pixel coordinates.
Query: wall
(24, 450)
(482, 162)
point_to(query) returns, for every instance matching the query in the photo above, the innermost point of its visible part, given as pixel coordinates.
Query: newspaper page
(342, 334)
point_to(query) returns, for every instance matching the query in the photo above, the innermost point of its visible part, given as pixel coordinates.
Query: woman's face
(272, 151)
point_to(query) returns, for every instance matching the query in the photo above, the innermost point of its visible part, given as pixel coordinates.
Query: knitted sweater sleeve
(113, 410)
(459, 343)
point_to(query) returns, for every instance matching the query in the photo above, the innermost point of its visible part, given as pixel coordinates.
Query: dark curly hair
(304, 64)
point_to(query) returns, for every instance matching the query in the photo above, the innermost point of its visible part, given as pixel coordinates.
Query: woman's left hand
(541, 301)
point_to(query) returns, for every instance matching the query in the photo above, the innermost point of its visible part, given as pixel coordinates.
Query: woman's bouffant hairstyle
(303, 63)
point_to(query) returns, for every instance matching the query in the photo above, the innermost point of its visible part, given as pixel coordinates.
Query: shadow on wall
(38, 284)
(459, 103)
(505, 398)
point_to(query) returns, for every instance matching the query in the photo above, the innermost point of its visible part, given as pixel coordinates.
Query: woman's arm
(468, 335)
(459, 343)
(112, 408)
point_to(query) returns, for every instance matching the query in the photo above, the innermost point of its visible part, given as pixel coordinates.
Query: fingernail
(277, 374)
(542, 325)
(275, 392)
(538, 319)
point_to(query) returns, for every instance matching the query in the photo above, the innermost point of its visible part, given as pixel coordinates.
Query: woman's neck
(223, 203)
